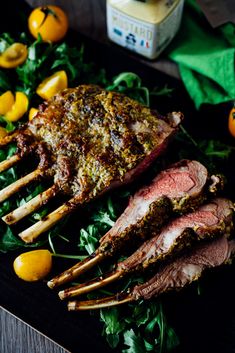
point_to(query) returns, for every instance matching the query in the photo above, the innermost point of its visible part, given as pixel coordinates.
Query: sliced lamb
(174, 275)
(211, 220)
(184, 185)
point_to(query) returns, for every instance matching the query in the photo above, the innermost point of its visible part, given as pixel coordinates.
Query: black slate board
(204, 323)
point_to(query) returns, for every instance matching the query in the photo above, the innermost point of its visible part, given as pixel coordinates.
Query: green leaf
(36, 67)
(216, 149)
(130, 84)
(5, 83)
(126, 79)
(8, 241)
(5, 41)
(164, 91)
(72, 61)
(103, 217)
(113, 325)
(89, 239)
(113, 340)
(172, 339)
(134, 342)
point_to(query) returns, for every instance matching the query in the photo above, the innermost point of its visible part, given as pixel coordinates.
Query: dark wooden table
(89, 18)
(18, 337)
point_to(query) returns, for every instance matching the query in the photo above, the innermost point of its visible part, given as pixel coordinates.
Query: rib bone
(180, 187)
(89, 286)
(174, 275)
(116, 139)
(8, 139)
(31, 233)
(8, 163)
(114, 300)
(19, 184)
(29, 207)
(208, 221)
(76, 270)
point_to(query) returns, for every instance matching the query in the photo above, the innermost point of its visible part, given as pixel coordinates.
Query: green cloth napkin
(205, 57)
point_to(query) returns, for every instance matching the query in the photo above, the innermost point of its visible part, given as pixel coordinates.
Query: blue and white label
(145, 38)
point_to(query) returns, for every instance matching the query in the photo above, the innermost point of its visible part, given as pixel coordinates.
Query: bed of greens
(136, 328)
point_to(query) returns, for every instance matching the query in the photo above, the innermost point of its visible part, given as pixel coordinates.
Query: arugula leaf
(8, 125)
(130, 84)
(35, 68)
(103, 217)
(8, 241)
(5, 83)
(134, 341)
(5, 41)
(165, 91)
(114, 325)
(89, 238)
(70, 60)
(216, 149)
(125, 80)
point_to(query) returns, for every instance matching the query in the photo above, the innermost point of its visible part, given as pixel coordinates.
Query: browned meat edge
(186, 268)
(183, 186)
(208, 221)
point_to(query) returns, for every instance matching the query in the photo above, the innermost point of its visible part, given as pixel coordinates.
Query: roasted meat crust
(95, 138)
(213, 219)
(182, 187)
(186, 268)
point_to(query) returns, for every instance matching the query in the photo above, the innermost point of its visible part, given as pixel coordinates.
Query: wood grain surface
(17, 337)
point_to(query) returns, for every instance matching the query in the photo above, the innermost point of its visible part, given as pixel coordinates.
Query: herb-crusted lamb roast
(96, 138)
(88, 141)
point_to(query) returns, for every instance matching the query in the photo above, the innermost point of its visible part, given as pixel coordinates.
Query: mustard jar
(143, 26)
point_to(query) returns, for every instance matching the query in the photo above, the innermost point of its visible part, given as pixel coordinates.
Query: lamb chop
(208, 221)
(183, 186)
(173, 275)
(90, 141)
